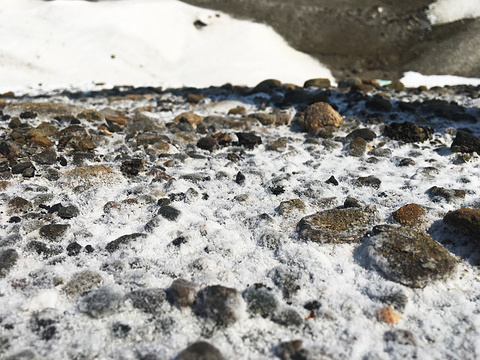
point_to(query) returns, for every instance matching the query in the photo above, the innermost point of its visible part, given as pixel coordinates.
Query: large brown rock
(319, 116)
(407, 256)
(465, 220)
(336, 225)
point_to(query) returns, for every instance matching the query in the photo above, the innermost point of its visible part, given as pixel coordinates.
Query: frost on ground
(140, 223)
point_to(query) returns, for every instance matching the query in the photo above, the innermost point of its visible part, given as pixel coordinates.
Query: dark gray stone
(68, 212)
(408, 132)
(8, 259)
(369, 181)
(54, 232)
(148, 300)
(123, 241)
(260, 300)
(464, 142)
(169, 212)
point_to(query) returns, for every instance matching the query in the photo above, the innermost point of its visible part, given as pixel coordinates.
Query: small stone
(357, 147)
(366, 134)
(288, 280)
(195, 98)
(120, 330)
(380, 152)
(368, 181)
(260, 300)
(54, 232)
(8, 259)
(407, 162)
(408, 132)
(396, 85)
(46, 157)
(318, 116)
(100, 303)
(291, 350)
(407, 256)
(331, 180)
(279, 145)
(466, 143)
(264, 119)
(123, 241)
(409, 215)
(288, 317)
(240, 178)
(90, 115)
(289, 206)
(465, 220)
(43, 249)
(184, 292)
(222, 305)
(43, 323)
(336, 225)
(388, 315)
(148, 300)
(83, 281)
(68, 212)
(132, 167)
(249, 140)
(266, 86)
(378, 103)
(438, 193)
(200, 350)
(73, 249)
(239, 110)
(188, 117)
(319, 83)
(169, 212)
(21, 167)
(207, 143)
(18, 204)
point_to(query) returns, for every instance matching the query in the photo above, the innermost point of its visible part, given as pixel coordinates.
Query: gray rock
(260, 300)
(336, 225)
(437, 193)
(169, 212)
(68, 212)
(8, 259)
(54, 232)
(83, 281)
(288, 317)
(99, 303)
(366, 134)
(368, 181)
(46, 157)
(357, 147)
(222, 305)
(407, 256)
(200, 350)
(148, 300)
(289, 206)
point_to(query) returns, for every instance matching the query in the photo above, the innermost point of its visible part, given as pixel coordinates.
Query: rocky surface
(240, 223)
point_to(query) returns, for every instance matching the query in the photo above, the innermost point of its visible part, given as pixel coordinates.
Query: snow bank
(445, 11)
(141, 42)
(414, 79)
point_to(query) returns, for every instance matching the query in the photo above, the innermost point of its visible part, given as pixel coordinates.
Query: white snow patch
(414, 79)
(445, 11)
(141, 42)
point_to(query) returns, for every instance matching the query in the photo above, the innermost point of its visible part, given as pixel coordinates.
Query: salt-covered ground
(231, 233)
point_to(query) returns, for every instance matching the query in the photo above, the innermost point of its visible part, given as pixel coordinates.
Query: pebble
(437, 193)
(369, 181)
(169, 212)
(319, 116)
(260, 301)
(148, 300)
(248, 140)
(100, 302)
(366, 134)
(123, 241)
(222, 305)
(357, 147)
(336, 225)
(319, 83)
(83, 281)
(184, 292)
(289, 206)
(408, 132)
(411, 215)
(8, 259)
(407, 256)
(54, 232)
(466, 143)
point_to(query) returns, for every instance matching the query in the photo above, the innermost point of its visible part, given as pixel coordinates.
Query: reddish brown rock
(319, 116)
(409, 215)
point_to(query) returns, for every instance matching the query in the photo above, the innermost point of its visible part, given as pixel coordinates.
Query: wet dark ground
(367, 38)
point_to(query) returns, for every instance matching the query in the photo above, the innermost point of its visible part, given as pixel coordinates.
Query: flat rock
(336, 225)
(407, 256)
(123, 241)
(465, 220)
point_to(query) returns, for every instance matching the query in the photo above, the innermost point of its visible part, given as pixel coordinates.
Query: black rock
(381, 152)
(312, 305)
(123, 241)
(163, 201)
(464, 142)
(407, 162)
(332, 180)
(200, 350)
(62, 161)
(249, 140)
(14, 220)
(169, 212)
(370, 181)
(68, 212)
(240, 178)
(99, 303)
(366, 134)
(28, 115)
(43, 324)
(89, 249)
(351, 202)
(74, 249)
(8, 259)
(179, 241)
(148, 300)
(21, 167)
(408, 132)
(260, 300)
(54, 232)
(207, 143)
(276, 190)
(46, 157)
(81, 158)
(220, 304)
(379, 103)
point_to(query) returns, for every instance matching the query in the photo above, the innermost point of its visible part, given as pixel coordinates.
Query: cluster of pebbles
(232, 223)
